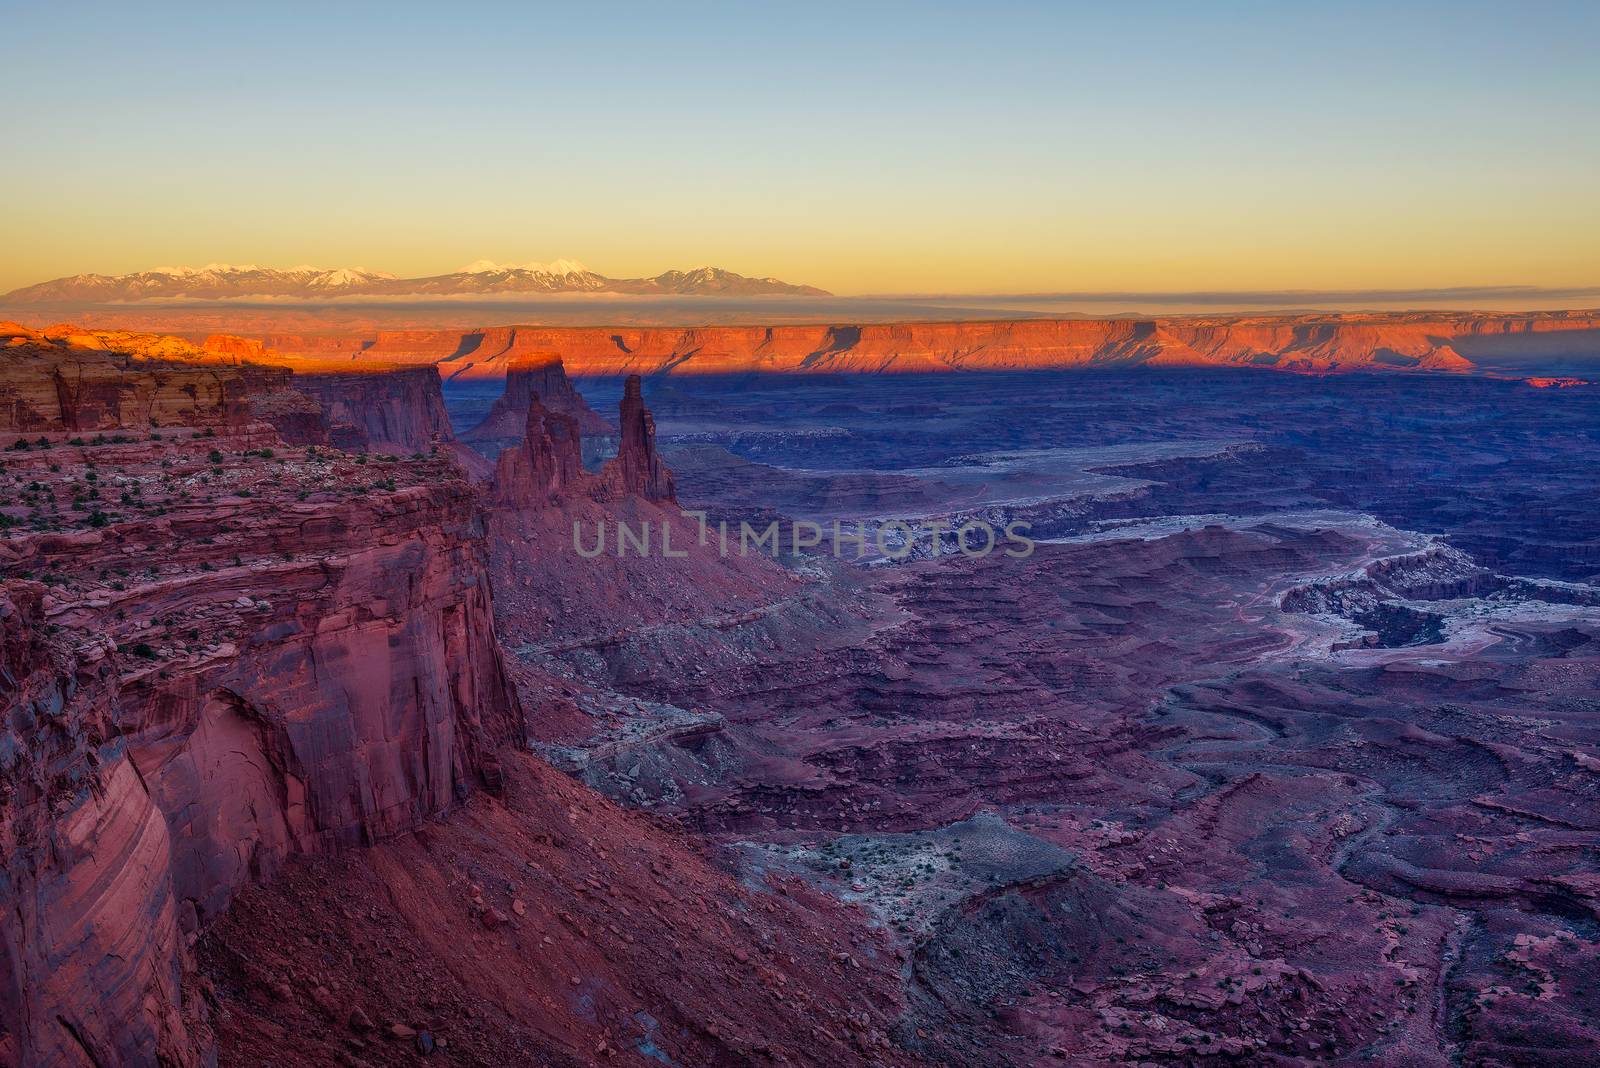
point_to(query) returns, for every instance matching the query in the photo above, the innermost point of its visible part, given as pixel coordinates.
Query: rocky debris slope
(547, 926)
(221, 652)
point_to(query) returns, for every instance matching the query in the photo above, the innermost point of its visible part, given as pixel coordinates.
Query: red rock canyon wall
(1313, 343)
(222, 654)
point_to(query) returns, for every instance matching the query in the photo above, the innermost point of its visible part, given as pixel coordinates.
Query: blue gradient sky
(884, 148)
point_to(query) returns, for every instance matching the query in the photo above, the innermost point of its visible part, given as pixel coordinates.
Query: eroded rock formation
(217, 655)
(547, 465)
(1216, 773)
(92, 961)
(544, 377)
(639, 469)
(550, 927)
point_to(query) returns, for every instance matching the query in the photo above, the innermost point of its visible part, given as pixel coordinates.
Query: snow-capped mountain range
(226, 281)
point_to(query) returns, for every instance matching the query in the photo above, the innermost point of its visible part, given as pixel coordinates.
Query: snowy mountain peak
(558, 268)
(230, 281)
(210, 268)
(344, 276)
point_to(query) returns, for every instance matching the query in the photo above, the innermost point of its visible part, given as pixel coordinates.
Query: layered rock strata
(398, 410)
(1307, 343)
(68, 380)
(219, 653)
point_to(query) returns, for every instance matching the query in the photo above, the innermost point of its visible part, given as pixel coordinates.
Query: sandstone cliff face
(1309, 343)
(243, 348)
(72, 381)
(297, 417)
(543, 377)
(216, 673)
(324, 349)
(91, 960)
(392, 409)
(399, 410)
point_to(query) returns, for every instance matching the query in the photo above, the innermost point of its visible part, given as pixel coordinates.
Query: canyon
(324, 744)
(1228, 770)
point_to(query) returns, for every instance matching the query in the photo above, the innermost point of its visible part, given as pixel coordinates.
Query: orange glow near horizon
(926, 150)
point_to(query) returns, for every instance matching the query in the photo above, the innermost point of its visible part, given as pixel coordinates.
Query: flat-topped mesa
(544, 376)
(65, 379)
(546, 466)
(1448, 342)
(395, 410)
(244, 348)
(638, 469)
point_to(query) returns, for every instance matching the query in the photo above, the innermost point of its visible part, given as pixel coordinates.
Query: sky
(868, 148)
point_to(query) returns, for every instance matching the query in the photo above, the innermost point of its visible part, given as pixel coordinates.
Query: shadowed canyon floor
(1275, 783)
(324, 745)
